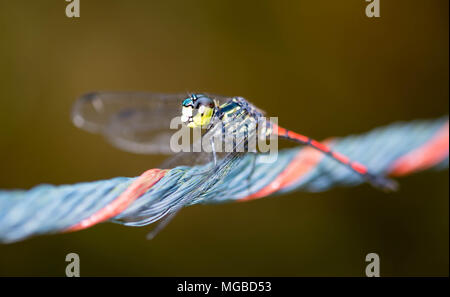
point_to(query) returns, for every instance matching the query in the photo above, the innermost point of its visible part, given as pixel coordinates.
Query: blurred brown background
(322, 67)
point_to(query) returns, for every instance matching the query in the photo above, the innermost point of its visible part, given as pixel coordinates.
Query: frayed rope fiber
(396, 150)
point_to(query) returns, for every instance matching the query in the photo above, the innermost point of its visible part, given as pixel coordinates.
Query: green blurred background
(322, 67)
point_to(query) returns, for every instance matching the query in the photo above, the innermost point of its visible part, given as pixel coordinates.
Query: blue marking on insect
(188, 102)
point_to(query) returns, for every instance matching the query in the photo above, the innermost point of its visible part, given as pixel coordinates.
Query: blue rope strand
(51, 209)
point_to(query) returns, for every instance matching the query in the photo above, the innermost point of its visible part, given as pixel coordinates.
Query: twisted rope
(396, 150)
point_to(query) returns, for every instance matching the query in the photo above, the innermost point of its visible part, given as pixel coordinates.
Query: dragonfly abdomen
(376, 180)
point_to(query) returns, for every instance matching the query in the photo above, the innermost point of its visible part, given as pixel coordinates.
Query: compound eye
(204, 101)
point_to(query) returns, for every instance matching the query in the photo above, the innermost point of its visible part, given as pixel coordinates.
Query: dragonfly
(140, 122)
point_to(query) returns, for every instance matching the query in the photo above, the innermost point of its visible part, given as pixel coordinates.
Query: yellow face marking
(201, 119)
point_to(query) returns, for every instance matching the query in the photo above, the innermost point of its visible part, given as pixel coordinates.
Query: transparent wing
(209, 179)
(132, 121)
(137, 122)
(200, 183)
(240, 122)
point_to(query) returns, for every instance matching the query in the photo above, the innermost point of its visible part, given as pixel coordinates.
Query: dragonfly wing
(196, 184)
(208, 180)
(210, 177)
(137, 122)
(133, 121)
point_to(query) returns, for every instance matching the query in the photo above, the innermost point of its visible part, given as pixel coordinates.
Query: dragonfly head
(198, 110)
